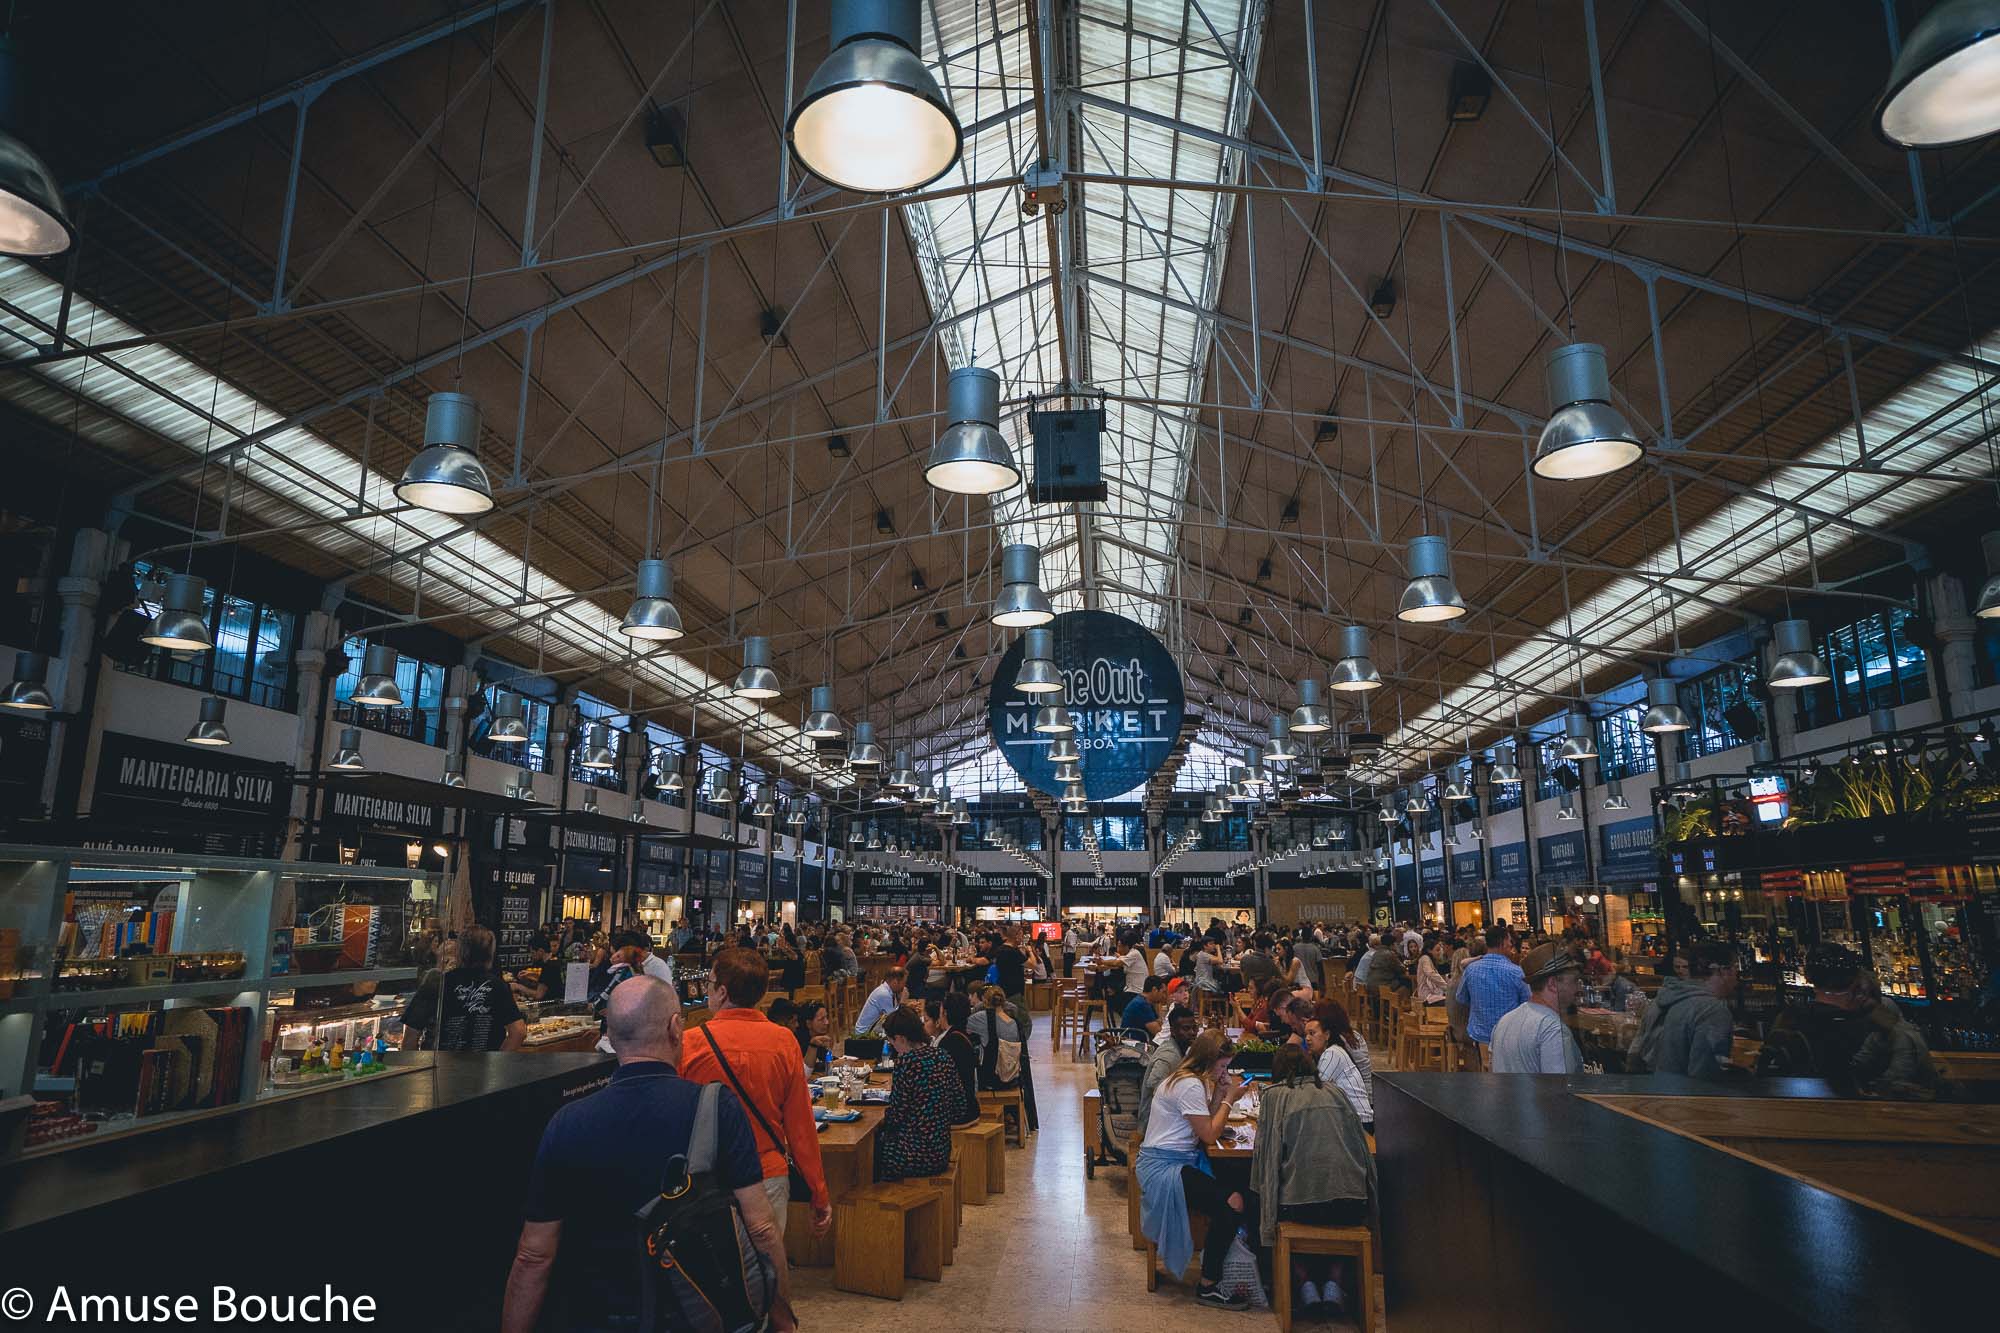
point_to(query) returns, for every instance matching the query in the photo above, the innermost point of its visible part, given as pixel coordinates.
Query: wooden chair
(886, 1233)
(1299, 1238)
(1424, 1047)
(1211, 1007)
(1041, 997)
(982, 1150)
(1006, 1108)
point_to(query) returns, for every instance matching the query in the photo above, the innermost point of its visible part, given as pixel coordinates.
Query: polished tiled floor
(1051, 1254)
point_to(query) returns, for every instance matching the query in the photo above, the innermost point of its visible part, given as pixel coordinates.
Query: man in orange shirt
(764, 1067)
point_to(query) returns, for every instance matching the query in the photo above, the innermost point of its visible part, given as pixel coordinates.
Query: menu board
(516, 892)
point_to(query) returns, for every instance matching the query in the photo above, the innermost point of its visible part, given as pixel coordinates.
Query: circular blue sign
(1124, 695)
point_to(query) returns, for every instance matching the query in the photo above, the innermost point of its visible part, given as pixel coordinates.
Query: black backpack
(698, 1269)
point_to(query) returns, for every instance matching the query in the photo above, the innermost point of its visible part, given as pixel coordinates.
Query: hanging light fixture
(1038, 674)
(509, 725)
(756, 680)
(347, 755)
(902, 777)
(872, 119)
(1506, 769)
(1988, 605)
(1355, 671)
(454, 770)
(28, 692)
(1280, 749)
(1021, 603)
(33, 220)
(866, 754)
(822, 722)
(1580, 741)
(1311, 716)
(378, 688)
(1064, 747)
(1664, 713)
(1614, 795)
(1567, 810)
(590, 801)
(1585, 435)
(971, 457)
(764, 807)
(1054, 720)
(597, 751)
(446, 477)
(182, 625)
(1458, 787)
(674, 781)
(1069, 771)
(1797, 665)
(653, 615)
(1430, 595)
(209, 728)
(1944, 88)
(961, 813)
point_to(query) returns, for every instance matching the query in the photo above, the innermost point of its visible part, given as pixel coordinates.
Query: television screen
(1048, 930)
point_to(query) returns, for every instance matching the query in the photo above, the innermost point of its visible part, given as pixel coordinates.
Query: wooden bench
(1007, 1109)
(1298, 1238)
(886, 1233)
(1197, 1230)
(954, 1205)
(987, 1141)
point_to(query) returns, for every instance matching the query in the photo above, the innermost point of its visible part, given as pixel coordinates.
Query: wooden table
(847, 1152)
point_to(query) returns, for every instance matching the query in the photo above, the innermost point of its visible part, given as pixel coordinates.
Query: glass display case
(560, 1025)
(138, 988)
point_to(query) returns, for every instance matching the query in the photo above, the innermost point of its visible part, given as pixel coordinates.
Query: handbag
(795, 1179)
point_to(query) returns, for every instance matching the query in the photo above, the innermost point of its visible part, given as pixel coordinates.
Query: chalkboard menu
(516, 894)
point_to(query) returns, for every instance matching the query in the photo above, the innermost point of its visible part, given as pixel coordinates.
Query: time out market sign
(1124, 695)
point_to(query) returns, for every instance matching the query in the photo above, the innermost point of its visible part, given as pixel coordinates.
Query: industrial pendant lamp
(1311, 716)
(1585, 435)
(182, 625)
(1021, 603)
(590, 801)
(1457, 788)
(1797, 665)
(971, 457)
(1614, 795)
(872, 119)
(1355, 671)
(347, 755)
(1420, 801)
(961, 813)
(1068, 771)
(378, 688)
(902, 777)
(1430, 595)
(1664, 713)
(1038, 673)
(1054, 720)
(28, 692)
(1579, 742)
(1063, 748)
(1280, 749)
(33, 221)
(454, 770)
(447, 476)
(597, 751)
(756, 680)
(1944, 88)
(1506, 768)
(763, 807)
(1988, 605)
(653, 614)
(510, 726)
(866, 754)
(209, 728)
(822, 722)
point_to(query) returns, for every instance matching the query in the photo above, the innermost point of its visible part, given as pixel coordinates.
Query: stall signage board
(1188, 888)
(387, 814)
(1115, 889)
(874, 888)
(812, 884)
(1001, 888)
(195, 800)
(1124, 694)
(1406, 880)
(1430, 874)
(750, 867)
(1626, 850)
(1563, 859)
(652, 851)
(591, 841)
(1466, 868)
(785, 879)
(1510, 870)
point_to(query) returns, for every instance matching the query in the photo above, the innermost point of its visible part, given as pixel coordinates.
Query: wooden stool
(1299, 1238)
(954, 1206)
(1210, 1007)
(1005, 1106)
(1197, 1230)
(1041, 997)
(970, 1157)
(885, 1233)
(1426, 1046)
(989, 1140)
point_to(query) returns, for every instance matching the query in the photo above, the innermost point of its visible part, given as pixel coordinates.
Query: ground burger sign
(1123, 692)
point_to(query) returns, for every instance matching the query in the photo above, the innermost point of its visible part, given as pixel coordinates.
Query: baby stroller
(1121, 1073)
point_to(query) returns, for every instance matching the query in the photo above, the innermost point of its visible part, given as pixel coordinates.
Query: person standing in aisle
(470, 1009)
(1532, 1038)
(1491, 985)
(1695, 1031)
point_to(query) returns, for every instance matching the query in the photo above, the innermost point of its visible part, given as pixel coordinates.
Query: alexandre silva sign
(1124, 694)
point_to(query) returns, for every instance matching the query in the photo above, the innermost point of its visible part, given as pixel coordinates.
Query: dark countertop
(1827, 1261)
(39, 1189)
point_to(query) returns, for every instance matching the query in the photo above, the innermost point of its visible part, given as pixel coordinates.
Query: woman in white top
(1342, 1054)
(1430, 980)
(1135, 968)
(1187, 1115)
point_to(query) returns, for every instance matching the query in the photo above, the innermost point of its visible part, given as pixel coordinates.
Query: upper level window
(1622, 749)
(1712, 699)
(532, 754)
(1874, 665)
(421, 714)
(252, 656)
